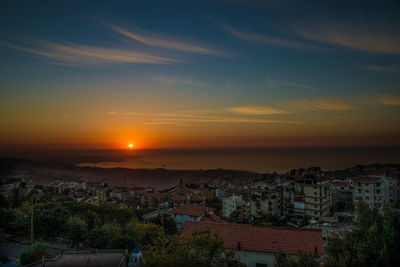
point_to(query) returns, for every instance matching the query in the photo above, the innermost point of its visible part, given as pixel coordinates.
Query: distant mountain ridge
(47, 171)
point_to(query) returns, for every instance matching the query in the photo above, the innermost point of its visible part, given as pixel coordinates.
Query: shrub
(34, 252)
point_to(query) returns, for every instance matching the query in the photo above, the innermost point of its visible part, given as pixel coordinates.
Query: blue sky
(199, 73)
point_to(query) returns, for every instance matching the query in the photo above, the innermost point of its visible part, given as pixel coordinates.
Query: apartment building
(373, 190)
(311, 195)
(266, 198)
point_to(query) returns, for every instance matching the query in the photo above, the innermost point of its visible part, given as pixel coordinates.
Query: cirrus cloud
(256, 110)
(85, 54)
(317, 104)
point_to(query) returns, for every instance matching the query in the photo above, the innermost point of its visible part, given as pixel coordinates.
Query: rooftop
(263, 239)
(180, 198)
(192, 210)
(369, 179)
(212, 218)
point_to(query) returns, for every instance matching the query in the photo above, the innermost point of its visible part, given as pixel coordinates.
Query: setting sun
(131, 145)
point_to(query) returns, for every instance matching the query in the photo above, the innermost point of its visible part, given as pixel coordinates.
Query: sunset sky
(158, 74)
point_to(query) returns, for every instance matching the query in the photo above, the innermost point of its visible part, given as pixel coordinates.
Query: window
(261, 265)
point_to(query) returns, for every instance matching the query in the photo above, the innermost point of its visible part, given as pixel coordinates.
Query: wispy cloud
(84, 54)
(199, 116)
(156, 40)
(389, 99)
(317, 104)
(171, 80)
(256, 110)
(219, 119)
(374, 38)
(273, 82)
(395, 69)
(270, 40)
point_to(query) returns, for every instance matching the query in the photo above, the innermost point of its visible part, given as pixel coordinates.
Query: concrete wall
(251, 258)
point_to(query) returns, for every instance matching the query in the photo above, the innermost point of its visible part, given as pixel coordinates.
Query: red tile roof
(269, 183)
(341, 183)
(368, 179)
(180, 198)
(212, 218)
(263, 239)
(192, 210)
(196, 198)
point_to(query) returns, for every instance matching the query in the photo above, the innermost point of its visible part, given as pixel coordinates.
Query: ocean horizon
(262, 160)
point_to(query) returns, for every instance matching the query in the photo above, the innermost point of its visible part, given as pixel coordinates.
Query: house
(189, 212)
(256, 245)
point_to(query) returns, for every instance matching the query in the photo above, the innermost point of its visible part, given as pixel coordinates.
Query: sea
(262, 160)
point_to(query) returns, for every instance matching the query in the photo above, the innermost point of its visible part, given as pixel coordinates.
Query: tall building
(372, 190)
(311, 195)
(266, 198)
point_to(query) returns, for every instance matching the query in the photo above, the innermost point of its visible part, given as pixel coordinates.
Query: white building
(230, 204)
(373, 190)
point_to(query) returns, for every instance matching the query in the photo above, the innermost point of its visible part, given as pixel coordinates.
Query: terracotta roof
(179, 198)
(368, 179)
(263, 239)
(341, 183)
(193, 210)
(180, 188)
(212, 218)
(269, 182)
(196, 198)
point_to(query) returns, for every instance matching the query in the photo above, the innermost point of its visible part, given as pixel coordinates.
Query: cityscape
(200, 133)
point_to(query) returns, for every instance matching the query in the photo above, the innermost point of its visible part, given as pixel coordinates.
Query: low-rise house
(189, 212)
(257, 245)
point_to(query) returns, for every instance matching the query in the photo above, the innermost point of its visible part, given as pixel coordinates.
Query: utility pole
(32, 221)
(162, 222)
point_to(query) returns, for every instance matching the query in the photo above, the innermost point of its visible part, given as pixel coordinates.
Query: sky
(161, 74)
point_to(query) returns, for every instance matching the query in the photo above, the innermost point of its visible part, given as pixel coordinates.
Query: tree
(96, 238)
(304, 259)
(166, 221)
(143, 234)
(76, 230)
(201, 248)
(375, 241)
(34, 253)
(111, 231)
(50, 220)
